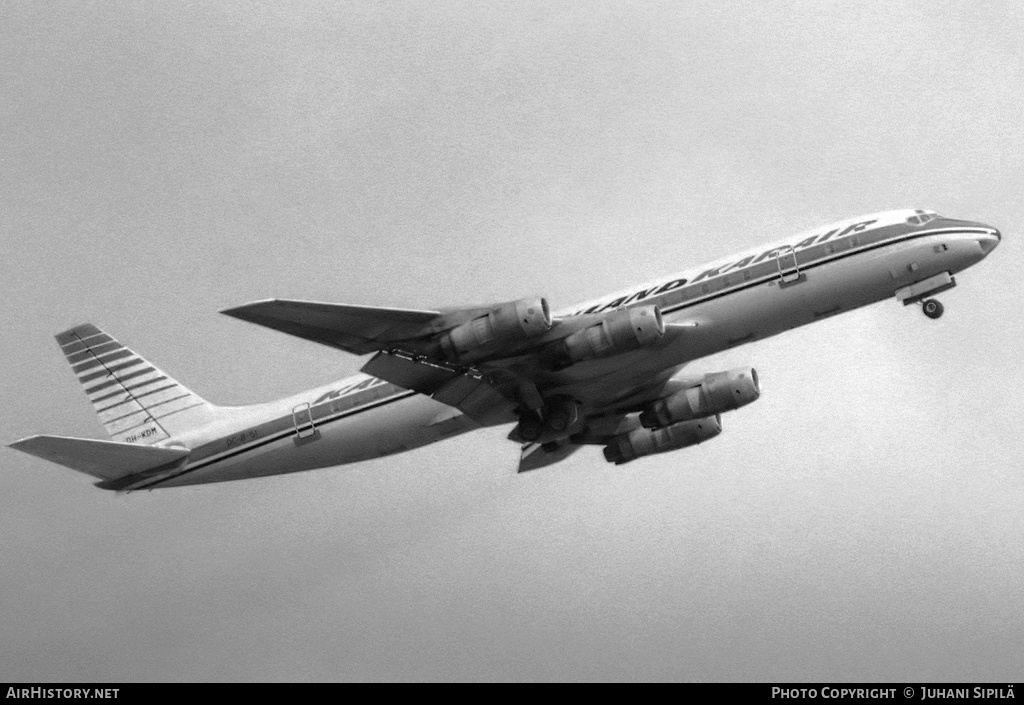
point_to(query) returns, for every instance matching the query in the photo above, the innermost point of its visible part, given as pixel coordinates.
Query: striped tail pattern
(136, 401)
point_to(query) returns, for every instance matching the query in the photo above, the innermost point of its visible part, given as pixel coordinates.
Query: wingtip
(231, 311)
(25, 444)
(242, 310)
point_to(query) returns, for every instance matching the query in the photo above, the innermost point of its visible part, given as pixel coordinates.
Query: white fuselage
(725, 303)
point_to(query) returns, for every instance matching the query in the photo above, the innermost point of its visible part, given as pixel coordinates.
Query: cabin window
(872, 236)
(764, 269)
(675, 297)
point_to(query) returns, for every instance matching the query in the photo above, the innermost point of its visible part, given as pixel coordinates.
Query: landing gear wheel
(932, 308)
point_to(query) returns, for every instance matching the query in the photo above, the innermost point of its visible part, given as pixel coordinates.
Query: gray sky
(161, 161)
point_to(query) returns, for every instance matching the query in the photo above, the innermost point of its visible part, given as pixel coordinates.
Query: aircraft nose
(989, 242)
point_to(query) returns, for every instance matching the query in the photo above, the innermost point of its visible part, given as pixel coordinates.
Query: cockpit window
(922, 217)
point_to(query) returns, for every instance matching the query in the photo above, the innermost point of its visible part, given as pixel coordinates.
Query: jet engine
(643, 441)
(508, 323)
(718, 392)
(620, 331)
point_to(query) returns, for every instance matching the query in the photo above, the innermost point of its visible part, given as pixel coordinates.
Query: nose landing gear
(932, 308)
(917, 293)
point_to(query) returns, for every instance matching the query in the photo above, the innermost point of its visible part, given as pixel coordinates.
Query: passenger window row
(770, 266)
(365, 396)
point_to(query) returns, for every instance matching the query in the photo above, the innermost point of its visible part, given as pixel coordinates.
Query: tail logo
(136, 401)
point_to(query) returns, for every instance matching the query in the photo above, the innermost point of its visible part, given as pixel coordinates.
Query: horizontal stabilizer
(107, 460)
(356, 329)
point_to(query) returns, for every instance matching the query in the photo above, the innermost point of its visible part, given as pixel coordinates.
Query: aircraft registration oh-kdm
(604, 373)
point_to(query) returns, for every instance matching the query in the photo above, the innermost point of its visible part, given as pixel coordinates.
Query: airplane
(607, 372)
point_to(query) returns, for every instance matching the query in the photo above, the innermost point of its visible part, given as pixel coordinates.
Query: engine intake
(718, 392)
(620, 331)
(643, 441)
(508, 323)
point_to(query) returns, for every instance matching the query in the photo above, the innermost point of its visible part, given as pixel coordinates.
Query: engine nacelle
(620, 331)
(718, 392)
(508, 323)
(644, 441)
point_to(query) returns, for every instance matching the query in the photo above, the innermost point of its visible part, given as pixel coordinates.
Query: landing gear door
(789, 269)
(305, 429)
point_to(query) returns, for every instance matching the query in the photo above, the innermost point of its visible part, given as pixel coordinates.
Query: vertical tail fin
(136, 401)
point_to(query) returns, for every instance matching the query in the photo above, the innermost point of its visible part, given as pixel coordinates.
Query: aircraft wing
(489, 362)
(400, 337)
(356, 329)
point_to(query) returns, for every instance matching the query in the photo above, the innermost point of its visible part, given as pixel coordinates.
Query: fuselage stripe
(290, 431)
(810, 265)
(829, 258)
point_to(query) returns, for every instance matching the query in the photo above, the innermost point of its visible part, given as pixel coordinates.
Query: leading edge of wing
(357, 329)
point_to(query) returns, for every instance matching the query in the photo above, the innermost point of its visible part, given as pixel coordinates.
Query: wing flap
(474, 396)
(423, 377)
(106, 460)
(356, 329)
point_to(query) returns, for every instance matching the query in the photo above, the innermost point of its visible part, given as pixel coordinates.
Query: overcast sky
(160, 161)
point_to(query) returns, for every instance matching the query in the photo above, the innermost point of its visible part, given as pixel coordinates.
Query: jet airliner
(607, 373)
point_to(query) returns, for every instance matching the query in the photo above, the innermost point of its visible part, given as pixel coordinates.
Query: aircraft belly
(410, 423)
(775, 307)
